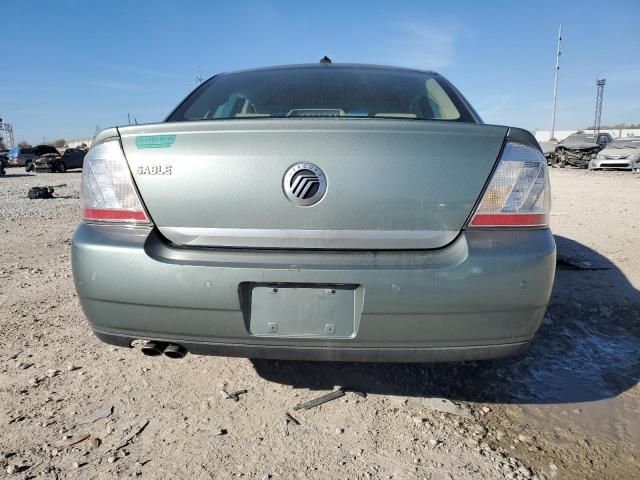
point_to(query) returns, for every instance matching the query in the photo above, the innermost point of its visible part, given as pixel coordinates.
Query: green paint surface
(155, 141)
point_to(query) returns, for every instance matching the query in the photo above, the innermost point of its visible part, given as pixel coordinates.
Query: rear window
(324, 91)
(579, 138)
(16, 152)
(626, 143)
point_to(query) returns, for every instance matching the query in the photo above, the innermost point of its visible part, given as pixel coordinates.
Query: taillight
(108, 193)
(518, 194)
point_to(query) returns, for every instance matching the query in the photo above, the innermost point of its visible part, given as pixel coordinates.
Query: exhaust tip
(175, 351)
(153, 349)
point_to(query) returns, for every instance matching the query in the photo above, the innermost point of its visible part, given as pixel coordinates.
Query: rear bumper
(483, 296)
(341, 354)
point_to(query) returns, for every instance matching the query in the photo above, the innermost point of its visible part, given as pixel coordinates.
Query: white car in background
(621, 154)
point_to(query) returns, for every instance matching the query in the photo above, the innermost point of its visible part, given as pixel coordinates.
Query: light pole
(600, 83)
(555, 86)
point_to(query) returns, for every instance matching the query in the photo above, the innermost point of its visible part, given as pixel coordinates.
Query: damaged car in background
(549, 150)
(24, 156)
(54, 162)
(621, 154)
(578, 149)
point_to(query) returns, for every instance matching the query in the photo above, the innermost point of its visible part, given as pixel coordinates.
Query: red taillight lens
(108, 193)
(107, 214)
(518, 194)
(509, 219)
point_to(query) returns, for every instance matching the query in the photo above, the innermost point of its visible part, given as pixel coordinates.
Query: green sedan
(317, 212)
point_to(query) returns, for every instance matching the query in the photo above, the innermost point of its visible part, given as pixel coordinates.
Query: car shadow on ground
(586, 349)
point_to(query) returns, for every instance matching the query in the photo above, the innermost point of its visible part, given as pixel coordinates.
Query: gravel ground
(567, 408)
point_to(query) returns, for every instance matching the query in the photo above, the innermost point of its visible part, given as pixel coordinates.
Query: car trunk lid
(391, 184)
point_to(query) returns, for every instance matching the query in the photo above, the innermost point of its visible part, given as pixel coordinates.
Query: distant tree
(24, 144)
(2, 147)
(60, 143)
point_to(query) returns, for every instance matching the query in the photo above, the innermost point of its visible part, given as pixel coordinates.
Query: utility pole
(600, 83)
(555, 86)
(6, 132)
(129, 118)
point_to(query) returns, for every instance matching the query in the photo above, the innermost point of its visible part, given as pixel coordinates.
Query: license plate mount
(301, 311)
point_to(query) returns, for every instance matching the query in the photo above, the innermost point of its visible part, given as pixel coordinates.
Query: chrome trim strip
(292, 238)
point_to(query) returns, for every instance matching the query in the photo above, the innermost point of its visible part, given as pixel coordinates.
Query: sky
(72, 66)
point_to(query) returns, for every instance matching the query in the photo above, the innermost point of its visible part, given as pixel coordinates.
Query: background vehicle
(43, 162)
(25, 156)
(621, 154)
(54, 162)
(3, 161)
(549, 151)
(579, 148)
(19, 156)
(327, 212)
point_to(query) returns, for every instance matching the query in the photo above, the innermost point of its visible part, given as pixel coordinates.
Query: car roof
(320, 66)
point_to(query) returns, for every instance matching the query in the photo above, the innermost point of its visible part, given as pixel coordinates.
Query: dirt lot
(567, 408)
